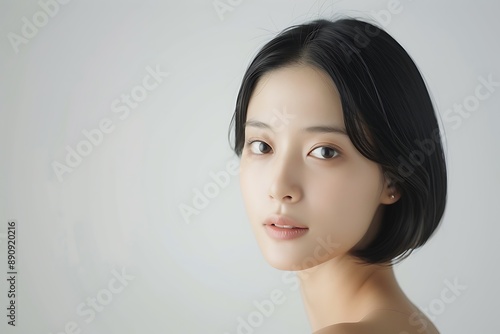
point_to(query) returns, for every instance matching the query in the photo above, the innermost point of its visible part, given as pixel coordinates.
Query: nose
(285, 183)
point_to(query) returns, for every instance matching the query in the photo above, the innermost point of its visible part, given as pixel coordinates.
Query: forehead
(305, 91)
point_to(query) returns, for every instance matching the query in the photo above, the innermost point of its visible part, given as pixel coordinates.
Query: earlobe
(390, 197)
(394, 197)
(391, 194)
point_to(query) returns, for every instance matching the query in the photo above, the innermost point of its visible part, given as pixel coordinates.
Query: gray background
(120, 207)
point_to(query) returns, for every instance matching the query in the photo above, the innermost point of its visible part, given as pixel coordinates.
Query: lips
(284, 222)
(284, 229)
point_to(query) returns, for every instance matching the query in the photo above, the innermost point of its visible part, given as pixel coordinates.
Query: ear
(390, 194)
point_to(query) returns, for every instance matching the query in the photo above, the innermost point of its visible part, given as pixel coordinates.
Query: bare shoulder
(385, 322)
(343, 328)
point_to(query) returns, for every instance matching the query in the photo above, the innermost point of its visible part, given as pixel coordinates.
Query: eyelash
(250, 142)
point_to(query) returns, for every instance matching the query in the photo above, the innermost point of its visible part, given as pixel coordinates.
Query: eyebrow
(310, 129)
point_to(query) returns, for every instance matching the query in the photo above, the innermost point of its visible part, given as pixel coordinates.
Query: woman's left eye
(326, 152)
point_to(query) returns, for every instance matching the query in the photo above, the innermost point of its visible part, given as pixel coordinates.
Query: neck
(341, 290)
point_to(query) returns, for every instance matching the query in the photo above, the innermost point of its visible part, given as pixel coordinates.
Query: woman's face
(315, 177)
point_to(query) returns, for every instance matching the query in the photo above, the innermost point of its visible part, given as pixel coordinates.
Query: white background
(119, 208)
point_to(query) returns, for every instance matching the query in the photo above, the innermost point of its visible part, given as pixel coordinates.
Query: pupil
(325, 151)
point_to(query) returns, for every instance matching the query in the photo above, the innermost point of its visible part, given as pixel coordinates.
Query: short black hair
(388, 115)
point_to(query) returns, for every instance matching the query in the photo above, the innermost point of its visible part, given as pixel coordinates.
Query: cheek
(345, 201)
(250, 187)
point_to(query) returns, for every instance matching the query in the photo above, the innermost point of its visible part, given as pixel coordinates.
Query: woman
(342, 170)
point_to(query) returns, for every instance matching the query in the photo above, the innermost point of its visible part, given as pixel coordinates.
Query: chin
(283, 264)
(294, 259)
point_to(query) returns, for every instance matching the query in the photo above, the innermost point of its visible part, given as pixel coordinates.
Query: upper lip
(282, 220)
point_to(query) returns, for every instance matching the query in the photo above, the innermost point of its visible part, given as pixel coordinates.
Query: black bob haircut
(388, 115)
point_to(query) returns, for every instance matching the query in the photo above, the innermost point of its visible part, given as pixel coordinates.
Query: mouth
(284, 228)
(283, 222)
(285, 232)
(287, 226)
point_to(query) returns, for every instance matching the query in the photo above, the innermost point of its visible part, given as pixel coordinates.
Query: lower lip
(285, 233)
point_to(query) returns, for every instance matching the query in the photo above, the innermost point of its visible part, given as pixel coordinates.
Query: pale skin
(320, 180)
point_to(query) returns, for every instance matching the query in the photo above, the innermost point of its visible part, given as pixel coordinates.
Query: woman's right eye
(258, 146)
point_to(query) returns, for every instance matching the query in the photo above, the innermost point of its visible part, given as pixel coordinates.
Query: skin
(337, 193)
